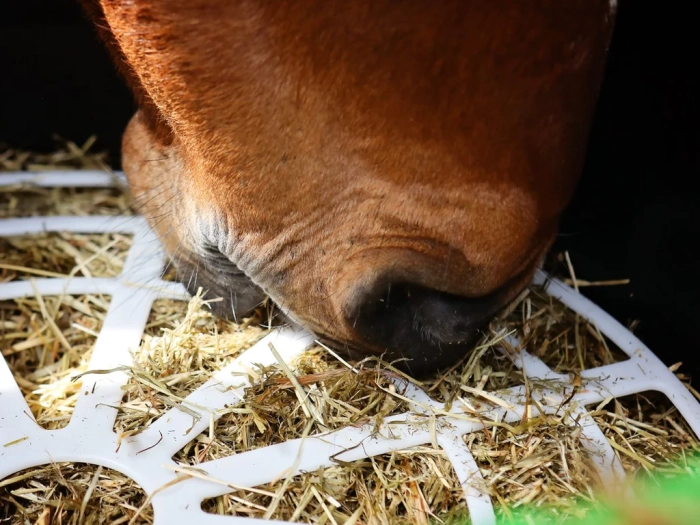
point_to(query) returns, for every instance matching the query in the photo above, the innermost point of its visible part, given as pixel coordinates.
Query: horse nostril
(431, 329)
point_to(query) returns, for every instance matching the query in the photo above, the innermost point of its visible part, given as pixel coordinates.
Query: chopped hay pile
(63, 254)
(26, 201)
(71, 494)
(67, 156)
(416, 486)
(47, 342)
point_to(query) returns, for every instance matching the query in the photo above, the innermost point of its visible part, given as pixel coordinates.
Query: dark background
(636, 213)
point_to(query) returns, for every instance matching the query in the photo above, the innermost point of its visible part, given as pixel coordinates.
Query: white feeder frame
(89, 437)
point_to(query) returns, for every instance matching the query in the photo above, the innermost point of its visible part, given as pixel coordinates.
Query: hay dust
(47, 342)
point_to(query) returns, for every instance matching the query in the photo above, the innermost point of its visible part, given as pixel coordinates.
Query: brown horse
(390, 173)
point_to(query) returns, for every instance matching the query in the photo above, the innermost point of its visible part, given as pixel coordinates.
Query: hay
(184, 345)
(544, 465)
(548, 329)
(415, 486)
(25, 200)
(648, 433)
(47, 342)
(67, 156)
(63, 254)
(71, 494)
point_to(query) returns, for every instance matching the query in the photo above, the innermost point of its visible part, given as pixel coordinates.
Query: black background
(636, 213)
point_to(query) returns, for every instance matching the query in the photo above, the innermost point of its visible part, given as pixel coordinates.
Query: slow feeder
(90, 438)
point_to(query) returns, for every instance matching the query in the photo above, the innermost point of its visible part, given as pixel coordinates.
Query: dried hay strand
(25, 200)
(413, 486)
(540, 462)
(545, 327)
(67, 156)
(183, 346)
(60, 254)
(63, 254)
(543, 463)
(47, 342)
(647, 433)
(543, 466)
(187, 353)
(416, 483)
(71, 494)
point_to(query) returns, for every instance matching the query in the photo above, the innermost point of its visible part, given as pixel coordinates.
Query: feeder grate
(89, 437)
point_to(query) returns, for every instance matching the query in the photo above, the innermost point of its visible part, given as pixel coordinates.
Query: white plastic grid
(89, 437)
